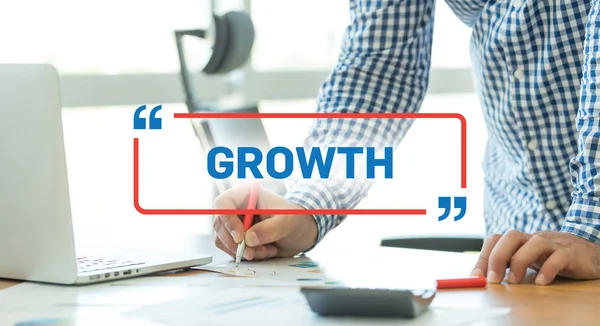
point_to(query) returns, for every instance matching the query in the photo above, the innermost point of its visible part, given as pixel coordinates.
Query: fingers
(531, 251)
(270, 236)
(555, 253)
(219, 244)
(502, 253)
(481, 266)
(263, 252)
(257, 253)
(223, 235)
(260, 252)
(268, 231)
(232, 199)
(557, 262)
(233, 227)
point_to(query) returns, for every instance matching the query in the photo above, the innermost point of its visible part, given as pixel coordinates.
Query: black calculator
(367, 302)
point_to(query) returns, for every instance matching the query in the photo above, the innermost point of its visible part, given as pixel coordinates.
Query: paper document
(288, 307)
(92, 305)
(347, 271)
(202, 282)
(299, 270)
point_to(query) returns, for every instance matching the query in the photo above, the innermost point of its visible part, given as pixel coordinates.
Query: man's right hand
(272, 236)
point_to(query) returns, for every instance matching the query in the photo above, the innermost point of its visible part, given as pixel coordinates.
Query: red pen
(470, 282)
(248, 218)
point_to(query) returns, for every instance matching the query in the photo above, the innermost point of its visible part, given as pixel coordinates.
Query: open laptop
(36, 227)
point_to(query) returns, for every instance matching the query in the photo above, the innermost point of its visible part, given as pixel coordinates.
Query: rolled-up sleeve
(583, 217)
(383, 67)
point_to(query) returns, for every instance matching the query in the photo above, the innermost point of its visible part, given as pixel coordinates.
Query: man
(535, 65)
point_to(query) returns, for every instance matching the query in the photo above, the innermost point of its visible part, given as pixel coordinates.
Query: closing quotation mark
(446, 204)
(140, 123)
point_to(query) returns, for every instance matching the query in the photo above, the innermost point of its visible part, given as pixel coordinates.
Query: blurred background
(113, 56)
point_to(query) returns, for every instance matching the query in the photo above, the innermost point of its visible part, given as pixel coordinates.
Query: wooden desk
(564, 302)
(6, 283)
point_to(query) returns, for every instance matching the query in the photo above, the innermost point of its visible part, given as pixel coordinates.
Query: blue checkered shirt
(535, 66)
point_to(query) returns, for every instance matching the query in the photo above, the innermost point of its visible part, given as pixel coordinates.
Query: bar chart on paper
(299, 271)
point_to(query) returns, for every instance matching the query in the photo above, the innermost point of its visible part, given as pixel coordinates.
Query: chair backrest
(234, 37)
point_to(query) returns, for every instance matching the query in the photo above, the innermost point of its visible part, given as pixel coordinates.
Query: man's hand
(272, 236)
(550, 253)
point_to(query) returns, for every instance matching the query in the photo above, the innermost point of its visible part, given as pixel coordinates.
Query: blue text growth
(248, 162)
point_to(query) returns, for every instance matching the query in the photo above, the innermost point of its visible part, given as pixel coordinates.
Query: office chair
(233, 36)
(458, 243)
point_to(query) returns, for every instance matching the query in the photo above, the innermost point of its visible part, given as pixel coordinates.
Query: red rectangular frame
(153, 211)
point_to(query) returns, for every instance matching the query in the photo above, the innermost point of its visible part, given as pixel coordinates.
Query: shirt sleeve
(383, 67)
(583, 217)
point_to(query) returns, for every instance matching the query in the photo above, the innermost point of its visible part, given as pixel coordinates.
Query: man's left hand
(550, 253)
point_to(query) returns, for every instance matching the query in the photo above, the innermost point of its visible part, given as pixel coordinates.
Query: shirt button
(517, 3)
(532, 145)
(518, 74)
(551, 204)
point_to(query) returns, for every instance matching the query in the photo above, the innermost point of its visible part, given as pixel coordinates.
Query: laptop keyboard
(90, 264)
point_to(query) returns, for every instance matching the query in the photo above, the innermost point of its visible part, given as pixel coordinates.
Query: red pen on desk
(470, 282)
(248, 218)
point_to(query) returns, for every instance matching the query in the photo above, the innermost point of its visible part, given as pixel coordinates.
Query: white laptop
(36, 228)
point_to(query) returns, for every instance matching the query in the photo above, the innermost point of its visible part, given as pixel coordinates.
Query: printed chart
(300, 270)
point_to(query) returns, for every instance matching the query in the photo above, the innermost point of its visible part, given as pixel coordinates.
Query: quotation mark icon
(154, 122)
(446, 204)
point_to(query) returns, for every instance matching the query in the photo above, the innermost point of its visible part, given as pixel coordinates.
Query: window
(450, 40)
(108, 37)
(116, 37)
(289, 42)
(308, 39)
